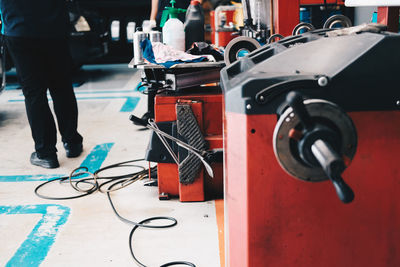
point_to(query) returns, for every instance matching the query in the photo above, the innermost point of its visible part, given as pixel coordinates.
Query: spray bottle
(172, 28)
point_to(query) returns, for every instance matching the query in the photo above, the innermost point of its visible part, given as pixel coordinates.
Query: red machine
(206, 107)
(222, 25)
(285, 199)
(286, 13)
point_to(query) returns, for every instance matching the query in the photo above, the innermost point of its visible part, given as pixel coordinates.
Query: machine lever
(165, 143)
(333, 166)
(295, 101)
(327, 157)
(201, 154)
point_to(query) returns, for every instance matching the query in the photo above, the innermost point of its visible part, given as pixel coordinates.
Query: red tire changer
(312, 135)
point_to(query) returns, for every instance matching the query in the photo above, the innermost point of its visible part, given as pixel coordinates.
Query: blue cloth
(34, 18)
(148, 54)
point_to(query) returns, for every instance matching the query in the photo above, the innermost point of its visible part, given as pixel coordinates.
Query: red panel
(274, 219)
(319, 2)
(390, 17)
(208, 112)
(235, 192)
(168, 179)
(286, 16)
(212, 111)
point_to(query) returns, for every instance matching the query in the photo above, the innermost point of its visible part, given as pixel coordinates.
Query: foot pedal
(188, 129)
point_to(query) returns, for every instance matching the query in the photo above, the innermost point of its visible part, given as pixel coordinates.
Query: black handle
(333, 166)
(138, 121)
(343, 190)
(295, 101)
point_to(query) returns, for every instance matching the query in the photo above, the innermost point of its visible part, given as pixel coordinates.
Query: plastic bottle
(130, 31)
(115, 30)
(194, 24)
(172, 28)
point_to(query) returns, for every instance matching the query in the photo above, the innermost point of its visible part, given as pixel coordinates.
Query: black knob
(137, 121)
(344, 192)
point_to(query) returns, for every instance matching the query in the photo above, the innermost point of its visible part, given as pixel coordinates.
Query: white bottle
(115, 30)
(174, 34)
(130, 30)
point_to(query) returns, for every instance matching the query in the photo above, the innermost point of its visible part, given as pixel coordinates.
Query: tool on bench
(205, 156)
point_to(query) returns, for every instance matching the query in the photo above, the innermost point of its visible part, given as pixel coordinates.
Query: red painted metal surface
(222, 38)
(286, 16)
(390, 17)
(286, 13)
(207, 108)
(274, 219)
(319, 2)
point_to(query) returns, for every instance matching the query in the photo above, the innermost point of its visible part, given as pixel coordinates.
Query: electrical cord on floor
(115, 183)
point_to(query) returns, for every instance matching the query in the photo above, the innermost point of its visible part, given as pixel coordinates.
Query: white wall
(363, 14)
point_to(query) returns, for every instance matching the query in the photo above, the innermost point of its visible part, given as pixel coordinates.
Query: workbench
(193, 86)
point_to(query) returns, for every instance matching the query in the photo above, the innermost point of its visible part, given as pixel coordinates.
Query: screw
(398, 102)
(248, 106)
(323, 81)
(261, 98)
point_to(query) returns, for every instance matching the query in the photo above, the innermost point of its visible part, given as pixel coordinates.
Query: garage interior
(269, 140)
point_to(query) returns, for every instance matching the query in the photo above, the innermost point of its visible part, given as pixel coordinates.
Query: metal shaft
(199, 153)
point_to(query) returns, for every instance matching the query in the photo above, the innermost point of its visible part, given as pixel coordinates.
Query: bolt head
(248, 106)
(323, 81)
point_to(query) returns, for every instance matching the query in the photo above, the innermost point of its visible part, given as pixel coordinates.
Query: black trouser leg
(61, 90)
(27, 55)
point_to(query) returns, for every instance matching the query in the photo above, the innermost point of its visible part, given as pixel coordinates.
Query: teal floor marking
(93, 162)
(38, 243)
(88, 92)
(95, 159)
(129, 105)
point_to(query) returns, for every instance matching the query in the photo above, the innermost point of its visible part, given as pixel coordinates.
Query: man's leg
(62, 93)
(28, 56)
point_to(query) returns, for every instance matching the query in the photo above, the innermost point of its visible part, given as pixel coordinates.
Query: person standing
(36, 36)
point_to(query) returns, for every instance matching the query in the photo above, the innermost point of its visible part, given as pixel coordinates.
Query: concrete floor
(84, 231)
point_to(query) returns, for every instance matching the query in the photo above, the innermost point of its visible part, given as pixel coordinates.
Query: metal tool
(165, 143)
(203, 155)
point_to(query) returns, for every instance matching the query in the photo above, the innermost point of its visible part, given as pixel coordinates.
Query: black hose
(120, 180)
